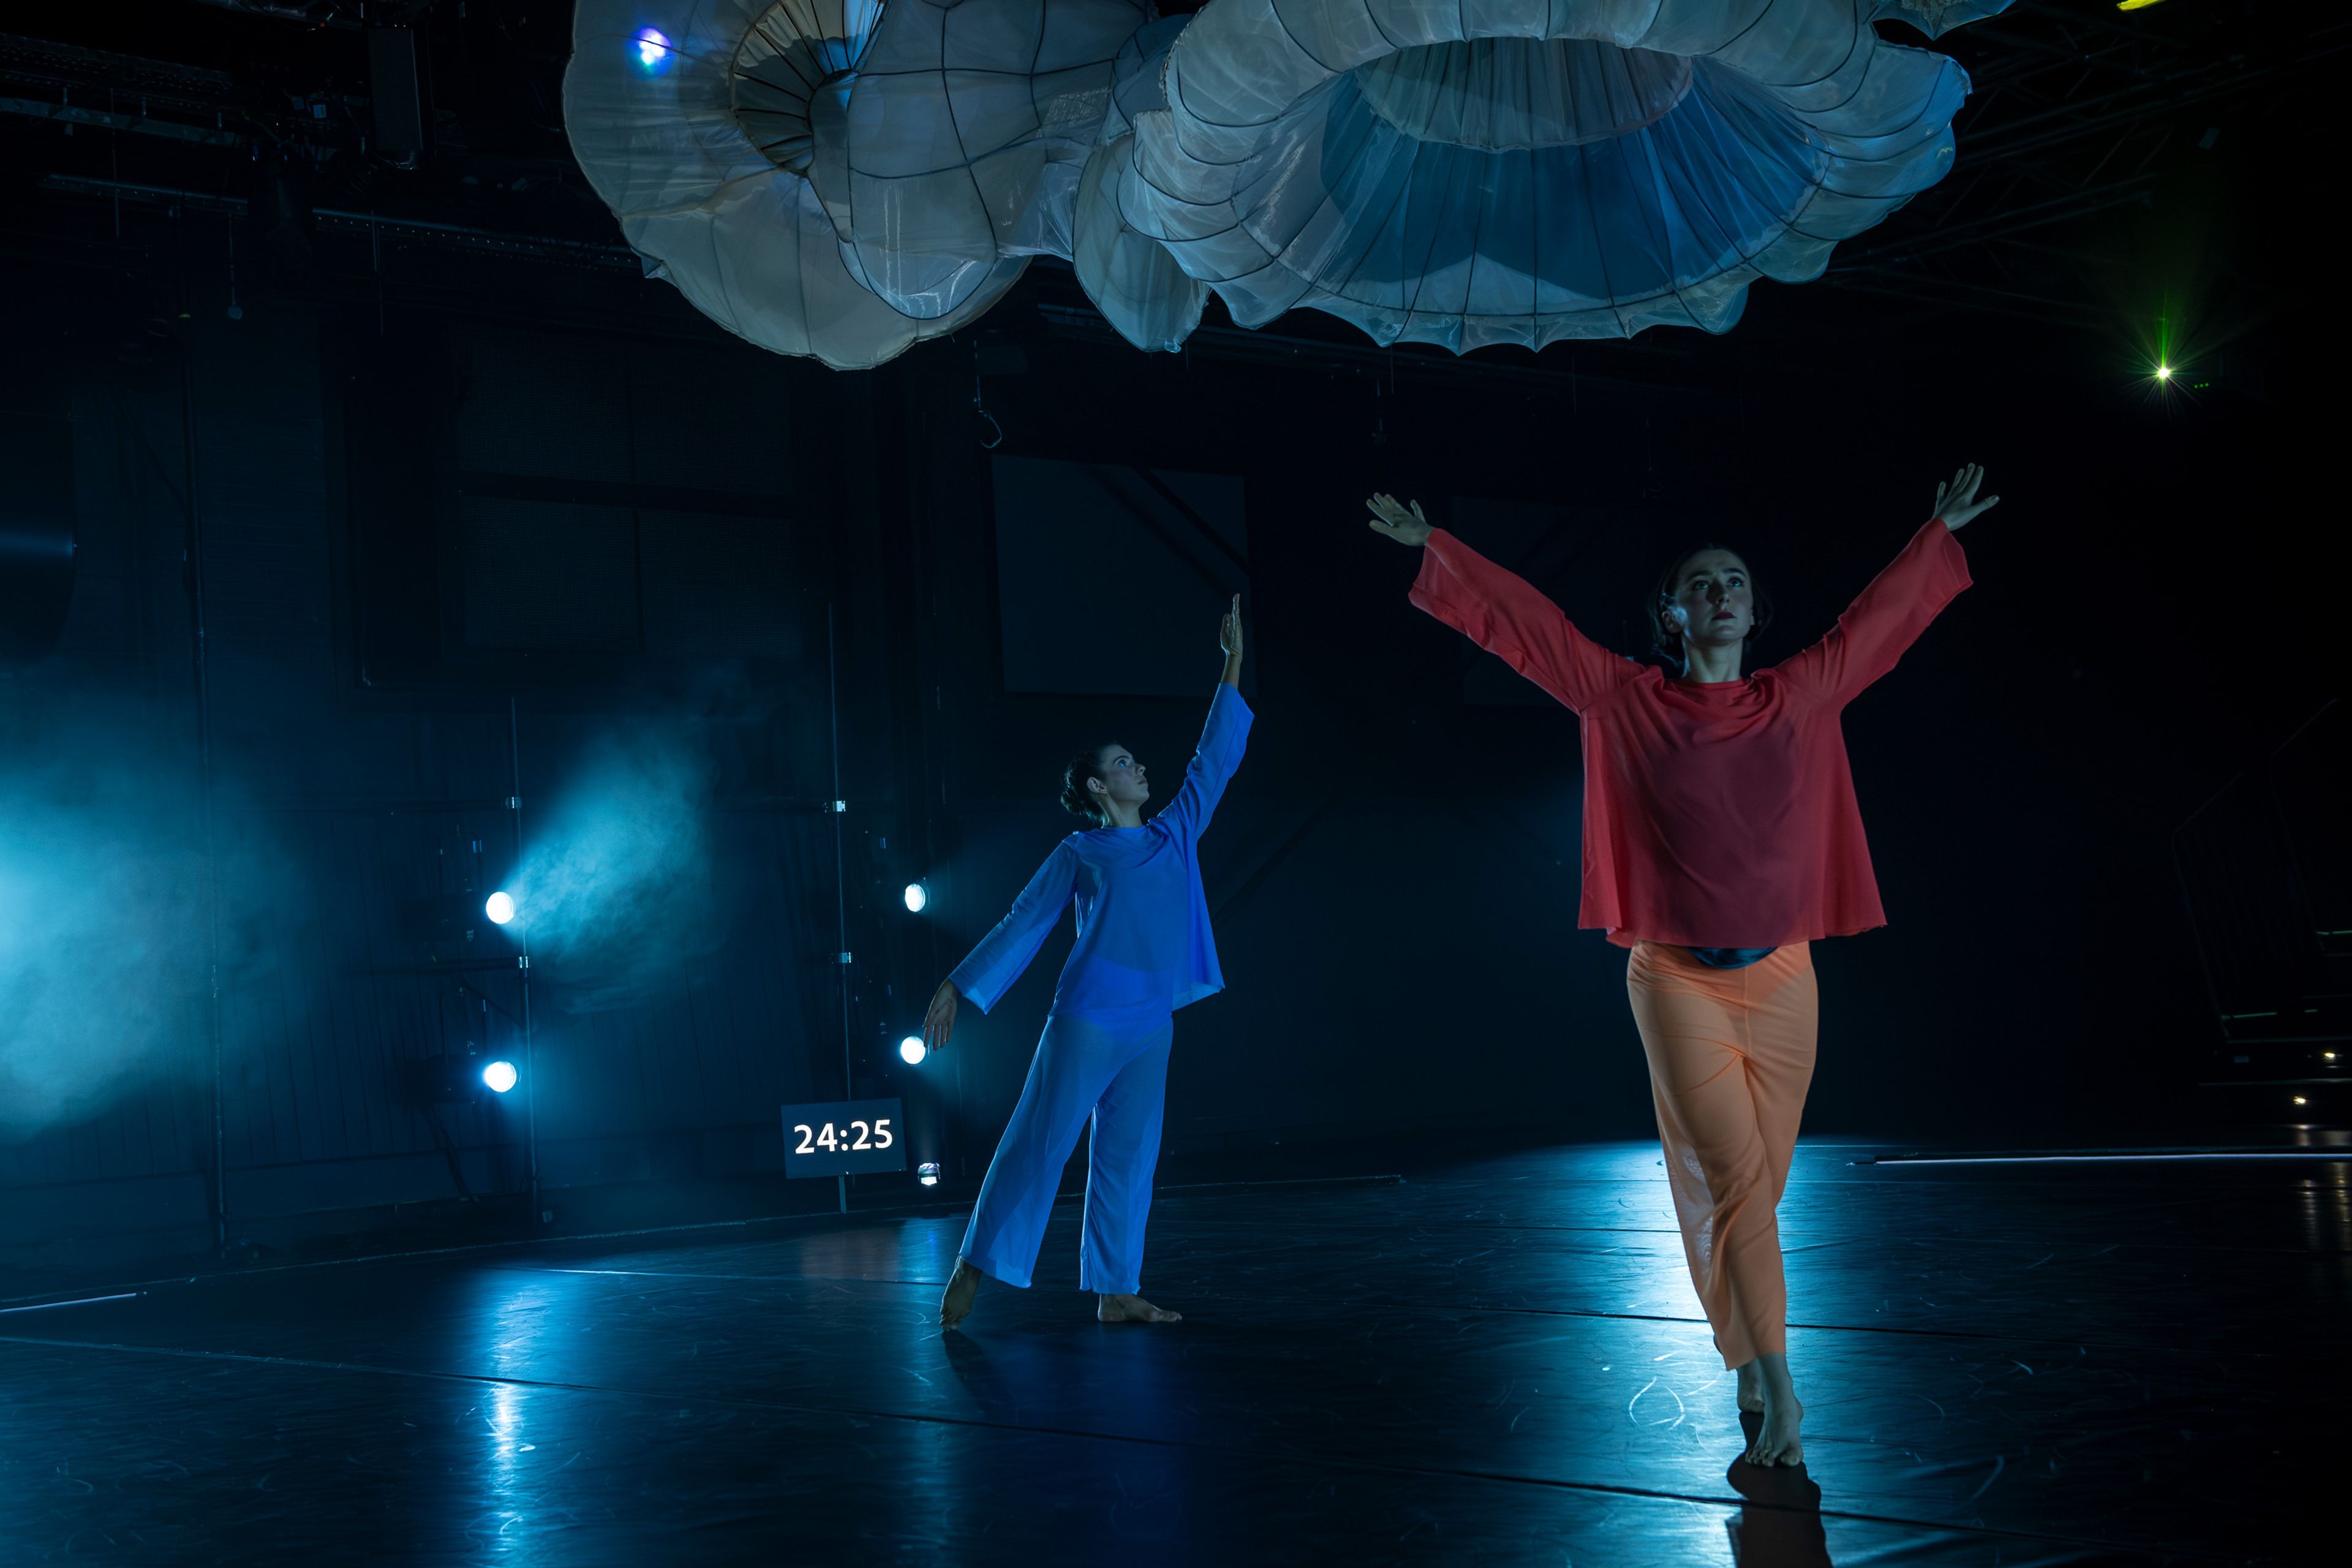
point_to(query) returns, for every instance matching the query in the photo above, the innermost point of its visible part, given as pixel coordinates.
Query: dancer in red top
(1720, 838)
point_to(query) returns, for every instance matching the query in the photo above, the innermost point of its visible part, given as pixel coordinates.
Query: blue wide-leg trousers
(1114, 1069)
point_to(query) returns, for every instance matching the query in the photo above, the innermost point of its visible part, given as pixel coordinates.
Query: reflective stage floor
(1496, 1362)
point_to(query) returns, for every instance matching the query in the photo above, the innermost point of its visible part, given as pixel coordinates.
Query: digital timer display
(844, 1138)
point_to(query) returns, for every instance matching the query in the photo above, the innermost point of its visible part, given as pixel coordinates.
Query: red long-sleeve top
(1716, 814)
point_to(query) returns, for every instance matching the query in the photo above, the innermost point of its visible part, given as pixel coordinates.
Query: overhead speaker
(36, 535)
(401, 89)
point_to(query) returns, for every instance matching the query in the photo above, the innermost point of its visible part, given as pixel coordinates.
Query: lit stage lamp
(654, 49)
(918, 898)
(500, 1076)
(500, 907)
(928, 1173)
(912, 1050)
(2163, 373)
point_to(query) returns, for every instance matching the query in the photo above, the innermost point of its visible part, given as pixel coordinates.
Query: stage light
(2135, 4)
(928, 1173)
(500, 1076)
(2163, 373)
(2327, 1056)
(500, 907)
(919, 897)
(653, 49)
(912, 1050)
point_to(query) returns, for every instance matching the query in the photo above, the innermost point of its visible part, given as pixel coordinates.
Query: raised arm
(1502, 613)
(990, 970)
(1887, 618)
(1222, 740)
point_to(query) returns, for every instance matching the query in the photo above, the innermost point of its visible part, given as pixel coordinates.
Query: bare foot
(1131, 1309)
(1751, 1388)
(963, 1285)
(1777, 1442)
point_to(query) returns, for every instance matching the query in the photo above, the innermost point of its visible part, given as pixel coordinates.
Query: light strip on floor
(82, 1301)
(2337, 1155)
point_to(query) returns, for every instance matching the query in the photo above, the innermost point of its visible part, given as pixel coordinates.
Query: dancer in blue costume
(1143, 950)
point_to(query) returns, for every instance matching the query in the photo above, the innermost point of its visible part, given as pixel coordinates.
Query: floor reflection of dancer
(1720, 838)
(1143, 950)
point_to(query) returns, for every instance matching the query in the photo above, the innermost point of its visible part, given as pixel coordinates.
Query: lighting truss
(2074, 110)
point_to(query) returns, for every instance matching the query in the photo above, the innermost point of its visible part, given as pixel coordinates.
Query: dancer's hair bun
(1077, 799)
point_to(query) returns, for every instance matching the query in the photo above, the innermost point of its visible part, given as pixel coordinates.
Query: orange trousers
(1731, 1054)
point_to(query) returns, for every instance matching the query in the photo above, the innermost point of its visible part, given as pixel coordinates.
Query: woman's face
(1122, 780)
(1713, 606)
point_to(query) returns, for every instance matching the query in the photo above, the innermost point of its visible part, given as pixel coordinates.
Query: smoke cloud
(103, 915)
(615, 891)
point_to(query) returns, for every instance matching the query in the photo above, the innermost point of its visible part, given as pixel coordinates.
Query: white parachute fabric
(1132, 278)
(842, 178)
(845, 178)
(1632, 163)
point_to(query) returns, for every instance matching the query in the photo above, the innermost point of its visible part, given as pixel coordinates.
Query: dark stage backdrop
(459, 535)
(445, 563)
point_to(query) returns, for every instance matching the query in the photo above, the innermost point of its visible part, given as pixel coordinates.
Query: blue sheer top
(1143, 922)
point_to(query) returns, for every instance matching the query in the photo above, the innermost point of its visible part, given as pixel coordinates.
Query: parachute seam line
(1665, 235)
(1274, 10)
(1927, 109)
(1340, 291)
(1854, 47)
(1732, 238)
(941, 71)
(676, 209)
(1733, 125)
(1470, 280)
(1420, 274)
(1310, 284)
(1189, 205)
(1814, 179)
(1853, 43)
(1599, 249)
(1037, 118)
(1769, 7)
(1421, 277)
(1403, 195)
(1535, 246)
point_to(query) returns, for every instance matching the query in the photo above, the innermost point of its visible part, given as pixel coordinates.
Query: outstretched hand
(1229, 631)
(939, 1024)
(1956, 502)
(1402, 523)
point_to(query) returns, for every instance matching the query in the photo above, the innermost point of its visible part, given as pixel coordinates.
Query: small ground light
(913, 1050)
(928, 1173)
(500, 1076)
(500, 907)
(919, 897)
